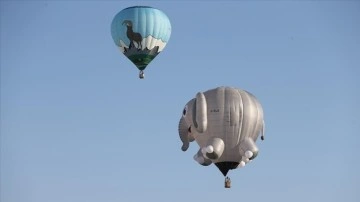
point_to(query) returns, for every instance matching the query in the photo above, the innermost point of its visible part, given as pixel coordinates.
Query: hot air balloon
(225, 122)
(141, 33)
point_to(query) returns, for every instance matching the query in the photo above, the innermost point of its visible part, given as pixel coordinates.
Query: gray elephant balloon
(225, 122)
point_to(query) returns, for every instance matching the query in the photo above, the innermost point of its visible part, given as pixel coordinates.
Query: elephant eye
(184, 111)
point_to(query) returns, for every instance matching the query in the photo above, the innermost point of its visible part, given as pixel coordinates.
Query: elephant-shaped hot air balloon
(141, 33)
(225, 122)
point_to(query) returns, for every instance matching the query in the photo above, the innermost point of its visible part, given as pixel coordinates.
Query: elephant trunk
(263, 131)
(183, 133)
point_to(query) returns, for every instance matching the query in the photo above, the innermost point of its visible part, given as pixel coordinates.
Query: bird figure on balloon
(141, 33)
(225, 122)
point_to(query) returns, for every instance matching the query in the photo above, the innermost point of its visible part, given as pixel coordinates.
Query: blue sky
(77, 124)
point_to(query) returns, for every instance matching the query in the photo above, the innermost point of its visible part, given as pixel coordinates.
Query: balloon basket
(227, 182)
(141, 75)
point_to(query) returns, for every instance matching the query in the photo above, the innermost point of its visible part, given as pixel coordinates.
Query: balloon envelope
(225, 122)
(141, 33)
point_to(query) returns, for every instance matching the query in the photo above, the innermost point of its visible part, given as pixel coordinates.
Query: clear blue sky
(78, 125)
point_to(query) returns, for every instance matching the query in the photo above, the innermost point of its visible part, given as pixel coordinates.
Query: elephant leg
(248, 149)
(199, 157)
(243, 162)
(214, 148)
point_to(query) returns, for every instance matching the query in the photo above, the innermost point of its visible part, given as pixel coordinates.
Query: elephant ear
(200, 113)
(183, 133)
